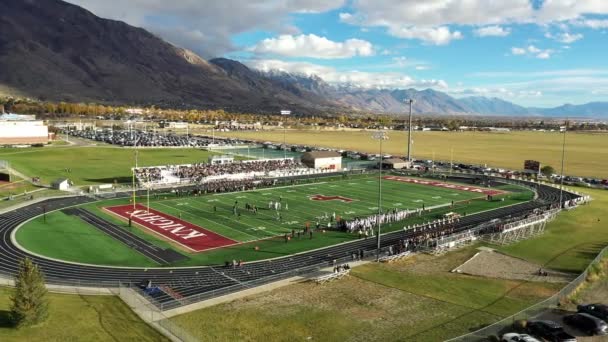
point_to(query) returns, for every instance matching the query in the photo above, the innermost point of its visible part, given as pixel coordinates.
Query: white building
(61, 184)
(22, 130)
(322, 160)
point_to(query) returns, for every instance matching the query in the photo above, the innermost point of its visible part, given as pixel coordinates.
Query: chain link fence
(506, 325)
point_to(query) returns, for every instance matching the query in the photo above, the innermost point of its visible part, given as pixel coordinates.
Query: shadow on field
(5, 319)
(109, 180)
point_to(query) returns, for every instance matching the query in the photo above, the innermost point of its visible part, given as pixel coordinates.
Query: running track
(200, 283)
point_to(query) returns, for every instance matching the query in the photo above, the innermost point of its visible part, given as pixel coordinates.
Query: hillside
(52, 50)
(57, 51)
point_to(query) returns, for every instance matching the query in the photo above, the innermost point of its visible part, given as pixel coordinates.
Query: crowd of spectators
(197, 173)
(149, 138)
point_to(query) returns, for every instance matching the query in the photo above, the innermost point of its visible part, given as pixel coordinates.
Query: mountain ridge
(56, 51)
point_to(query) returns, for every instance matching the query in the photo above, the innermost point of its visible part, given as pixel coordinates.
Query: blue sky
(540, 53)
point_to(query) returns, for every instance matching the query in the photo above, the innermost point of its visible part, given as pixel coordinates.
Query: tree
(29, 303)
(547, 170)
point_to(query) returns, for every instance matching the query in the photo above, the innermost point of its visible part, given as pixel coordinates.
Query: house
(61, 184)
(322, 160)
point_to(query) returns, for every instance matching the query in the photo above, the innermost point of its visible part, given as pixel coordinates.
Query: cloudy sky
(531, 52)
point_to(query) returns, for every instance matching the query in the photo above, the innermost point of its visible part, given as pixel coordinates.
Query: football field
(299, 204)
(247, 235)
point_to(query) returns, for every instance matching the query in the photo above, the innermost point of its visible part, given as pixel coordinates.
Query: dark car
(588, 324)
(598, 310)
(549, 331)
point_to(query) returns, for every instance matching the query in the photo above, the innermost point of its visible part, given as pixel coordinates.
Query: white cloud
(313, 46)
(393, 80)
(492, 31)
(413, 19)
(544, 55)
(181, 21)
(434, 35)
(422, 67)
(595, 24)
(518, 51)
(428, 20)
(559, 10)
(564, 37)
(532, 50)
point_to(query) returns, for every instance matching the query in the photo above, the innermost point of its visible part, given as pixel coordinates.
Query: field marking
(214, 222)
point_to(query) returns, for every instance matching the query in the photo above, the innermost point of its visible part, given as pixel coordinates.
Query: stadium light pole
(561, 178)
(284, 112)
(409, 134)
(381, 136)
(136, 152)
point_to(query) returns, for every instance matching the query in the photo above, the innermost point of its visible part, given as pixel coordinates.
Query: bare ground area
(492, 264)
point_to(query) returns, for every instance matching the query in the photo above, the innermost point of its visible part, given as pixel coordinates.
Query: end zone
(483, 191)
(183, 233)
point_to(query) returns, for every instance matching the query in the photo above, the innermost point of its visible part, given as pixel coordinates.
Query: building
(322, 160)
(22, 130)
(220, 159)
(394, 163)
(61, 184)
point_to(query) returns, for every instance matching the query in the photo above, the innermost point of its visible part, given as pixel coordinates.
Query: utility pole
(381, 136)
(561, 178)
(409, 135)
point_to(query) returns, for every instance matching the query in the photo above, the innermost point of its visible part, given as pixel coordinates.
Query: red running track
(184, 233)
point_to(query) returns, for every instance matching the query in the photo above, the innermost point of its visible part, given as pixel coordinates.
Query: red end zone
(184, 233)
(483, 191)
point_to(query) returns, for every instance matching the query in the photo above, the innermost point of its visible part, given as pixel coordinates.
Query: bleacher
(331, 276)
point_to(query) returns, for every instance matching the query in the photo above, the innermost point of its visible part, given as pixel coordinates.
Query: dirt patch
(496, 265)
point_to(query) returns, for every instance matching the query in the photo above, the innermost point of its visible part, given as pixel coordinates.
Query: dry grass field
(586, 153)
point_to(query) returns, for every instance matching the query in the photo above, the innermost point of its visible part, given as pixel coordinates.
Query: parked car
(587, 323)
(515, 337)
(598, 310)
(549, 331)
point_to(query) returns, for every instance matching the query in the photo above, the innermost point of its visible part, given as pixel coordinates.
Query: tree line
(58, 110)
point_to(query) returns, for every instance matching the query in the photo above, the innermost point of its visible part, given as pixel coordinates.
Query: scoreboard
(532, 165)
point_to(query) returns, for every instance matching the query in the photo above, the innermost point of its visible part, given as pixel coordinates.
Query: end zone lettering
(184, 233)
(165, 224)
(484, 191)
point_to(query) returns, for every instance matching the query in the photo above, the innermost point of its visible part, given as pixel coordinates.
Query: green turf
(61, 233)
(79, 318)
(572, 240)
(93, 165)
(77, 242)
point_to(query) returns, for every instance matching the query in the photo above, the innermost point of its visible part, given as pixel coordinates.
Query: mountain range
(53, 50)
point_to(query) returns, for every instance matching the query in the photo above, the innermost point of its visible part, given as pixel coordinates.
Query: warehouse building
(394, 163)
(322, 160)
(22, 130)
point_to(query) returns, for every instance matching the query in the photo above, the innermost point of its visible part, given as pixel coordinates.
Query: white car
(515, 337)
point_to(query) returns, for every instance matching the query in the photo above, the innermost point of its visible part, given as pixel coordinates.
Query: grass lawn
(79, 318)
(572, 240)
(69, 238)
(93, 165)
(586, 153)
(378, 302)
